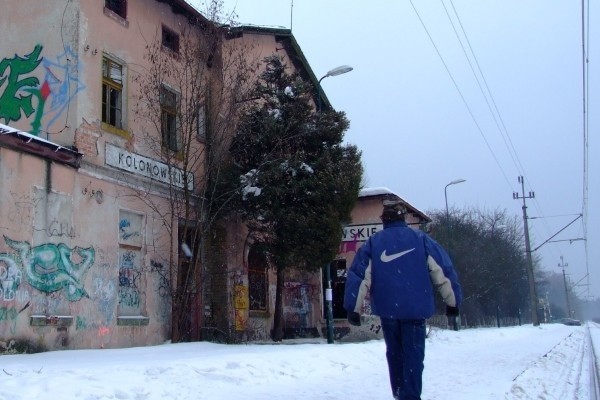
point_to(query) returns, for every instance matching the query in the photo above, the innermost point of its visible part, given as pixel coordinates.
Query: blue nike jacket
(400, 267)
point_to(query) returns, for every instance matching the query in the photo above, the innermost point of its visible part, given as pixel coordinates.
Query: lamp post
(451, 320)
(454, 182)
(329, 291)
(342, 69)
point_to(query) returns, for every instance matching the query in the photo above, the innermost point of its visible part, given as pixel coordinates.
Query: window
(204, 113)
(131, 281)
(202, 121)
(168, 115)
(258, 283)
(170, 39)
(112, 93)
(338, 286)
(119, 7)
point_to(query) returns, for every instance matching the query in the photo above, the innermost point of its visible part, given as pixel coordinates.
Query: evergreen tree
(296, 182)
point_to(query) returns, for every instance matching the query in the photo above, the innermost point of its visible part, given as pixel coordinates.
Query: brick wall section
(86, 137)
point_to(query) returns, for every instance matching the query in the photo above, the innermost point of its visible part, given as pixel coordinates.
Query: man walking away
(401, 266)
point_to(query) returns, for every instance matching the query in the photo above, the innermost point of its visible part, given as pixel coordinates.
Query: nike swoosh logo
(391, 257)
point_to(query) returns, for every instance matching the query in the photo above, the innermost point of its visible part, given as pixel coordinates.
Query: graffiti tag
(13, 101)
(50, 267)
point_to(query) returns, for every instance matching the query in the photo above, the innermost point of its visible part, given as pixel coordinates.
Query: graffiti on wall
(129, 275)
(126, 231)
(298, 299)
(240, 305)
(38, 88)
(105, 294)
(10, 278)
(50, 267)
(15, 79)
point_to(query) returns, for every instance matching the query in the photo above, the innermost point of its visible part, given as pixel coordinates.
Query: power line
(585, 37)
(503, 131)
(488, 93)
(461, 95)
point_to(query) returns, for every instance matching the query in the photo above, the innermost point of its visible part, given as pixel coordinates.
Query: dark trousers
(405, 352)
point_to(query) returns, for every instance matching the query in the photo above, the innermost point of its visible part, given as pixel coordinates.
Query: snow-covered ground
(546, 362)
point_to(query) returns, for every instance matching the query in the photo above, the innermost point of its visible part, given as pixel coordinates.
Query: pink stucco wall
(78, 246)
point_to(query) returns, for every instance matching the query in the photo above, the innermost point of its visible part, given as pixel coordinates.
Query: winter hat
(393, 210)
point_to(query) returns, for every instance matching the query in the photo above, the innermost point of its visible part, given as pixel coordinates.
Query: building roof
(282, 35)
(185, 8)
(385, 192)
(295, 54)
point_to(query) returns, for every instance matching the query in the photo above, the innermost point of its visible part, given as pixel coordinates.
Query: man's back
(393, 264)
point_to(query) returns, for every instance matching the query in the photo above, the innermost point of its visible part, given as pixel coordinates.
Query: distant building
(365, 223)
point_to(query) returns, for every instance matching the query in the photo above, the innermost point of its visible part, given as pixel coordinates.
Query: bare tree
(187, 103)
(487, 251)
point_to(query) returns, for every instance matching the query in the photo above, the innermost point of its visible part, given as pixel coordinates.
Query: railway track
(593, 337)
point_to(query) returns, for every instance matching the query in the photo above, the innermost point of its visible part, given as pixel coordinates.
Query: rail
(594, 381)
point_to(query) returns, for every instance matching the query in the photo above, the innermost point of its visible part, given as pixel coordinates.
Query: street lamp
(329, 291)
(454, 182)
(342, 69)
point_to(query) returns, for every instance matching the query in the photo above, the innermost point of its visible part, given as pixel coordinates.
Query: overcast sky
(420, 127)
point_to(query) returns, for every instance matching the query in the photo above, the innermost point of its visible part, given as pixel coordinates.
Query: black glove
(451, 311)
(354, 318)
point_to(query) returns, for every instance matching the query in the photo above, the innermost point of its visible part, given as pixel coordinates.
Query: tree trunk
(175, 317)
(278, 317)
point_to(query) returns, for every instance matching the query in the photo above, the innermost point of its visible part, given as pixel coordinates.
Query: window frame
(258, 281)
(108, 86)
(170, 39)
(169, 126)
(202, 121)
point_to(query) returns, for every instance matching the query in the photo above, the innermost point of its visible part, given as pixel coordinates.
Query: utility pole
(563, 265)
(532, 290)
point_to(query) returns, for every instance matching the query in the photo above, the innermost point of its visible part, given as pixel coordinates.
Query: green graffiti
(12, 100)
(80, 323)
(50, 268)
(10, 277)
(8, 314)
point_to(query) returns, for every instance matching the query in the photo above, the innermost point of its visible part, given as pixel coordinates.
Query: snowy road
(549, 362)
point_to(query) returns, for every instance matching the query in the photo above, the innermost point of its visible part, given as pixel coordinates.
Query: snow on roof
(28, 143)
(381, 191)
(376, 191)
(7, 129)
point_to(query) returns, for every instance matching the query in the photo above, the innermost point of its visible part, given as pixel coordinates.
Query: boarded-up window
(131, 284)
(258, 283)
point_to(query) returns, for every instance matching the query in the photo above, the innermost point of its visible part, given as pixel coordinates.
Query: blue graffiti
(62, 77)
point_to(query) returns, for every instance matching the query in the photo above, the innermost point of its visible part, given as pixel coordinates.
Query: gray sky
(415, 130)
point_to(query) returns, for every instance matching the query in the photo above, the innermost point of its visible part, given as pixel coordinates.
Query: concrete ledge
(51, 320)
(134, 320)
